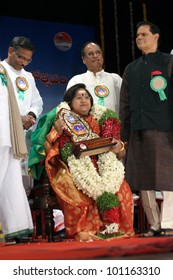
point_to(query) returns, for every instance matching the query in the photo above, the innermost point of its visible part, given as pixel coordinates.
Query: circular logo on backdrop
(62, 41)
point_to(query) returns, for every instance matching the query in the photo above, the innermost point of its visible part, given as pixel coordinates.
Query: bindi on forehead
(82, 94)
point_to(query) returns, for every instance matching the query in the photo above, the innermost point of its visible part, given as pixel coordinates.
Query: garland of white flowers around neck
(110, 173)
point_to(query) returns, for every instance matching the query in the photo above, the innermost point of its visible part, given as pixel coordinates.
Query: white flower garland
(63, 105)
(97, 111)
(93, 183)
(85, 176)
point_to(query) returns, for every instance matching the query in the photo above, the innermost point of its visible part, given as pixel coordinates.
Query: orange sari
(80, 211)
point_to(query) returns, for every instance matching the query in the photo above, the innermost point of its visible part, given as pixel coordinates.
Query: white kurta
(32, 102)
(111, 80)
(15, 214)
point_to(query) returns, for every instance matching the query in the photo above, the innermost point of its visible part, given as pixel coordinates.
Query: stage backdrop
(57, 57)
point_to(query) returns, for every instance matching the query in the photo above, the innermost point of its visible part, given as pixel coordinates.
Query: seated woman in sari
(95, 199)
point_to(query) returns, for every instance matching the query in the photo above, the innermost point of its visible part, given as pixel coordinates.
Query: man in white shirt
(15, 214)
(103, 86)
(30, 102)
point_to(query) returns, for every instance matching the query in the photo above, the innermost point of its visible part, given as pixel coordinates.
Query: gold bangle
(122, 144)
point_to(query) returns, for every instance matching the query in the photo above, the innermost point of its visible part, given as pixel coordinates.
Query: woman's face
(81, 102)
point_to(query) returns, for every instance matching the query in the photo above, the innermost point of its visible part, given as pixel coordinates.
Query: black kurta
(147, 123)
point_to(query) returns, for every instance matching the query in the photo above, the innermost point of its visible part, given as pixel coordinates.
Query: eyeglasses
(92, 54)
(20, 57)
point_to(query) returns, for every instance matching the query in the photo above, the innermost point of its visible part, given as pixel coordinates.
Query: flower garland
(63, 105)
(109, 176)
(85, 176)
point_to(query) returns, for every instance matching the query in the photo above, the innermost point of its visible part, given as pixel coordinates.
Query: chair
(42, 200)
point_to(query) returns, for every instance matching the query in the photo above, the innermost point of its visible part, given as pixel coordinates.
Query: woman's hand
(59, 126)
(118, 148)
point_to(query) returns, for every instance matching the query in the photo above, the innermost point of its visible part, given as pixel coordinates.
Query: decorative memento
(76, 126)
(92, 147)
(85, 141)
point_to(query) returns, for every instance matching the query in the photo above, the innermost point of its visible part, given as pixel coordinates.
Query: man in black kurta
(146, 113)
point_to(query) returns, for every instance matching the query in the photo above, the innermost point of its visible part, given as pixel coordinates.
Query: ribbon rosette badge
(2, 75)
(2, 70)
(101, 92)
(158, 84)
(22, 85)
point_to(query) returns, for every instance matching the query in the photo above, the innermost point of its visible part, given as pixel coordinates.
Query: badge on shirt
(22, 85)
(158, 84)
(2, 72)
(101, 92)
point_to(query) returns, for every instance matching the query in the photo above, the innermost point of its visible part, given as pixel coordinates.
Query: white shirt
(111, 80)
(32, 100)
(5, 139)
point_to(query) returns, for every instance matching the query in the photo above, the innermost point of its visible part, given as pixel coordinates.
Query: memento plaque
(92, 147)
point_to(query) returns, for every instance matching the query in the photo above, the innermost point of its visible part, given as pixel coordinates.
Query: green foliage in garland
(66, 151)
(111, 235)
(106, 115)
(107, 201)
